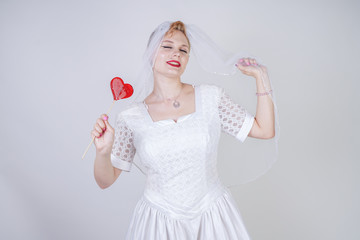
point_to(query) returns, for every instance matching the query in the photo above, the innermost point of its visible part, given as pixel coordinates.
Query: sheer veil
(256, 161)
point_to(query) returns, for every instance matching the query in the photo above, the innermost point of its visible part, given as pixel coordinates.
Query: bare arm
(105, 174)
(264, 124)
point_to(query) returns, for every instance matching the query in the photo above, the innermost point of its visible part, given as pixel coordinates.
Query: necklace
(176, 103)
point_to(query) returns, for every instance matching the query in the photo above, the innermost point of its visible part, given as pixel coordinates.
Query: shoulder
(131, 112)
(210, 95)
(211, 91)
(210, 88)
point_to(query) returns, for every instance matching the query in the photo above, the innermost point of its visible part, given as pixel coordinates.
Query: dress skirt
(221, 221)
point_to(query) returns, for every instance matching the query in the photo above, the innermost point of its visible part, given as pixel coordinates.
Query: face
(173, 55)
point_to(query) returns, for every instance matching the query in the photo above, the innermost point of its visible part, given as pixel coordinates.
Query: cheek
(186, 60)
(161, 54)
(159, 58)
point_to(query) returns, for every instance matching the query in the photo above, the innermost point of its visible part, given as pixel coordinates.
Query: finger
(241, 67)
(109, 127)
(98, 128)
(247, 61)
(101, 123)
(104, 117)
(244, 69)
(242, 62)
(252, 61)
(94, 133)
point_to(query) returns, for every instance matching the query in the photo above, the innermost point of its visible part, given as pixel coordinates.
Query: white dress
(183, 197)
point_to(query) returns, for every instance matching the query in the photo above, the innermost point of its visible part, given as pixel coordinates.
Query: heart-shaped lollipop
(119, 89)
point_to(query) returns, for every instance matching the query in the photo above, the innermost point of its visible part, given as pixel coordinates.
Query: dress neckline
(179, 119)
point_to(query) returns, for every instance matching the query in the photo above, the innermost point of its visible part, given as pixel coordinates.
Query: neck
(167, 88)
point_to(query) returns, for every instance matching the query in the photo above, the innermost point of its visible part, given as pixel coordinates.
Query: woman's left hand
(250, 67)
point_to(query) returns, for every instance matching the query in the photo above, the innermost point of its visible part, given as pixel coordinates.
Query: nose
(176, 53)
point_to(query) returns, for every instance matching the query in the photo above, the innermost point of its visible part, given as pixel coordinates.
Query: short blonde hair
(177, 26)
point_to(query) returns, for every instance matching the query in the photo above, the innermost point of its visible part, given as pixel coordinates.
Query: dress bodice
(180, 157)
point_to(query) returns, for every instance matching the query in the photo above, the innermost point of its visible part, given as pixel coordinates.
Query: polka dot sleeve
(123, 150)
(235, 120)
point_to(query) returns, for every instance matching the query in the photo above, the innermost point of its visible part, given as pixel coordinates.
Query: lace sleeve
(235, 120)
(123, 150)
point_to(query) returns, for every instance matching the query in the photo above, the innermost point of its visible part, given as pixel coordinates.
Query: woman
(175, 132)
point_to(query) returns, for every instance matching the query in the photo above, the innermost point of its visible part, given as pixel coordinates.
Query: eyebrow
(169, 41)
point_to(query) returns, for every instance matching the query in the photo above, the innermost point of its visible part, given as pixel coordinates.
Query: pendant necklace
(176, 103)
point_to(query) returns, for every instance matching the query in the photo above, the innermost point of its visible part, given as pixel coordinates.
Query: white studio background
(58, 57)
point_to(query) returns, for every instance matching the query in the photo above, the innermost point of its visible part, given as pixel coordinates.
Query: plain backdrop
(56, 61)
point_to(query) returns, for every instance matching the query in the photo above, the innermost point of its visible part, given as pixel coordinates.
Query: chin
(169, 73)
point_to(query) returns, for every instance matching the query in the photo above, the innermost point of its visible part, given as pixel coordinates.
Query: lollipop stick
(108, 112)
(87, 149)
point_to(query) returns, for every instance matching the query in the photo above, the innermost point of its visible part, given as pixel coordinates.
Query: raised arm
(264, 123)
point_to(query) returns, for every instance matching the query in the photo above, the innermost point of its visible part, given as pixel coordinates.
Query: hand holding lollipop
(103, 135)
(103, 132)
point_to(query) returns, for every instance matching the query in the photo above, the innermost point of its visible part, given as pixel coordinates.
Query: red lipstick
(174, 63)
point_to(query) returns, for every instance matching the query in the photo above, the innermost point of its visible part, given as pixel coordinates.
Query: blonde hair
(177, 26)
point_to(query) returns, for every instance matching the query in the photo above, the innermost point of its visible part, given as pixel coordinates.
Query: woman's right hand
(103, 134)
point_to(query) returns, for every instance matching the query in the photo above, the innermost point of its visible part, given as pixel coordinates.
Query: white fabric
(183, 197)
(219, 220)
(244, 131)
(123, 149)
(121, 164)
(235, 120)
(256, 161)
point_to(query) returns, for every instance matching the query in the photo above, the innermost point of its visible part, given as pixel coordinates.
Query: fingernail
(236, 65)
(106, 118)
(248, 64)
(241, 60)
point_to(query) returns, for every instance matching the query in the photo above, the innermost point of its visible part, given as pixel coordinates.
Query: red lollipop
(120, 90)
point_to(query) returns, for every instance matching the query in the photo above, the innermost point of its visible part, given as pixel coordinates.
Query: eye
(168, 47)
(183, 50)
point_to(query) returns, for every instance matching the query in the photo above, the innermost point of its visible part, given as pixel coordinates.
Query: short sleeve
(123, 150)
(235, 119)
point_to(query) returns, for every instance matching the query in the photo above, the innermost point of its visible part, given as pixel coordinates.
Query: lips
(174, 63)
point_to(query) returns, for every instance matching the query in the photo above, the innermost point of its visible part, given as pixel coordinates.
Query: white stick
(87, 149)
(108, 112)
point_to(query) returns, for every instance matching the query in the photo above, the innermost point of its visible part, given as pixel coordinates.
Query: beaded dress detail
(184, 197)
